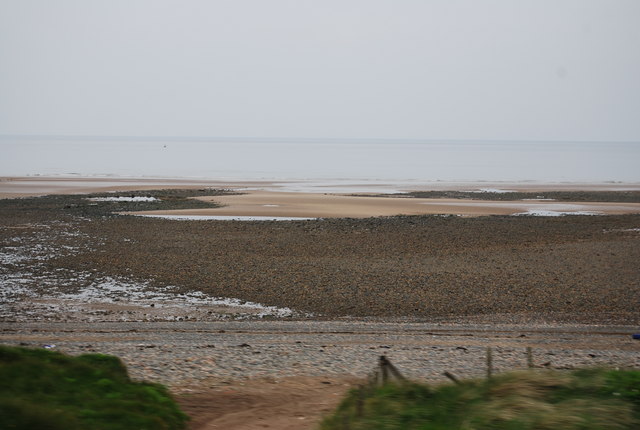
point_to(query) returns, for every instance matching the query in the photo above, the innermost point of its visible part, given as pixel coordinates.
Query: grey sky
(417, 69)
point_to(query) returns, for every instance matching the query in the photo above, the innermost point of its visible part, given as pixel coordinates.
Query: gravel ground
(197, 356)
(570, 269)
(327, 297)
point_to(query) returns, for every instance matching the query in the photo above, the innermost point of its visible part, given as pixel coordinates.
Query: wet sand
(272, 199)
(284, 204)
(13, 187)
(43, 185)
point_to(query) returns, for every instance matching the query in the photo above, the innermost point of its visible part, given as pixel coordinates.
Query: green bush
(583, 399)
(42, 389)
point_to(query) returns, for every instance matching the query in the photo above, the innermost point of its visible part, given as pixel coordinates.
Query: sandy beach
(305, 265)
(13, 187)
(274, 199)
(257, 203)
(282, 317)
(354, 258)
(17, 186)
(315, 205)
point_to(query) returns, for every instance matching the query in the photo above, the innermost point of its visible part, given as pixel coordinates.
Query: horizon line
(292, 139)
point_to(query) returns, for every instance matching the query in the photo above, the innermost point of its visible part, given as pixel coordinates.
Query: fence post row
(386, 369)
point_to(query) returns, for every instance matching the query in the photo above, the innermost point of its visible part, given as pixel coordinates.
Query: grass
(42, 389)
(582, 399)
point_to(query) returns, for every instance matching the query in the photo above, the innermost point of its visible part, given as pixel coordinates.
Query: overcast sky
(414, 69)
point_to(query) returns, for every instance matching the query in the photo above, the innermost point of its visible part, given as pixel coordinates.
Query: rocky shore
(571, 269)
(206, 306)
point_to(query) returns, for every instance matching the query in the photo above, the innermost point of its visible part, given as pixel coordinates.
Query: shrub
(583, 399)
(48, 390)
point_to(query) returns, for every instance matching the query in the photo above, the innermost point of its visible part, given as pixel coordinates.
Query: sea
(399, 161)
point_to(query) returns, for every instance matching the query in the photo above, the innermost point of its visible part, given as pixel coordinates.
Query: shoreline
(331, 199)
(21, 186)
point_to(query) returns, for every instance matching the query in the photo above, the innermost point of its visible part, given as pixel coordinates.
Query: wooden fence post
(393, 370)
(529, 357)
(387, 369)
(489, 362)
(452, 377)
(384, 370)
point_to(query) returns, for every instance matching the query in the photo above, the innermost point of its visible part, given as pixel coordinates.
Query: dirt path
(295, 403)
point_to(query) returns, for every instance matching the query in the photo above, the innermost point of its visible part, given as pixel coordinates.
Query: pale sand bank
(12, 187)
(283, 204)
(273, 199)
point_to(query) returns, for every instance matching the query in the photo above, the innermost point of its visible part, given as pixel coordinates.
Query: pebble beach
(191, 357)
(202, 305)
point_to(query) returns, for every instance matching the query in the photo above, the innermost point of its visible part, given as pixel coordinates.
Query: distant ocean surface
(270, 159)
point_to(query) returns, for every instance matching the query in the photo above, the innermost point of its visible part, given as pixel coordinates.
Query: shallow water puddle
(224, 217)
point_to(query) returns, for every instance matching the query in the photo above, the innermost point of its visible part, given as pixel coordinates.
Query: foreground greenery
(582, 399)
(41, 389)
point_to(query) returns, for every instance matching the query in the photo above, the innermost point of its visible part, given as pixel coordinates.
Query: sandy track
(295, 403)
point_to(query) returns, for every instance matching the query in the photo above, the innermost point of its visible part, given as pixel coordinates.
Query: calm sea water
(314, 160)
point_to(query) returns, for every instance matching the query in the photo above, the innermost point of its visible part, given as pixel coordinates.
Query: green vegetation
(582, 399)
(41, 389)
